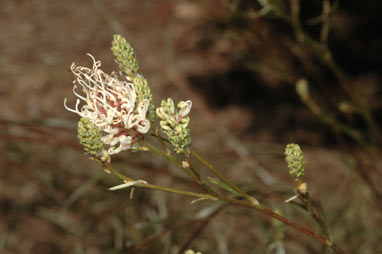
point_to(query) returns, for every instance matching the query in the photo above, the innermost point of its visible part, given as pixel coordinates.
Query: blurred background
(239, 62)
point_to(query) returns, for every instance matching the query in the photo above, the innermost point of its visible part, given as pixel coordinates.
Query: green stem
(253, 203)
(107, 167)
(324, 54)
(322, 51)
(126, 179)
(296, 226)
(159, 138)
(307, 202)
(188, 171)
(223, 178)
(325, 28)
(260, 208)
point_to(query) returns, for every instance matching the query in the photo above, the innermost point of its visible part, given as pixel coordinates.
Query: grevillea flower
(111, 104)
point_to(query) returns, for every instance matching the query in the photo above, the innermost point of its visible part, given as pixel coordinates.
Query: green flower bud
(174, 123)
(89, 136)
(295, 159)
(143, 92)
(170, 106)
(125, 56)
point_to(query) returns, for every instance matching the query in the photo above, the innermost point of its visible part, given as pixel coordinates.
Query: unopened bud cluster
(174, 123)
(295, 159)
(125, 56)
(89, 136)
(144, 93)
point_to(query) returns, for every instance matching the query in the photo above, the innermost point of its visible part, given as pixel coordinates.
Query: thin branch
(223, 178)
(199, 229)
(107, 167)
(155, 237)
(167, 156)
(326, 10)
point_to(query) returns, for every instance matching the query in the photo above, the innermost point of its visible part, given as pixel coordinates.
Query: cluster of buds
(295, 159)
(174, 123)
(296, 164)
(125, 57)
(144, 93)
(111, 105)
(89, 136)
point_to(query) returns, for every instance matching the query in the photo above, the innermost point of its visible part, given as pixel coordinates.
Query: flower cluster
(112, 105)
(295, 159)
(175, 123)
(121, 107)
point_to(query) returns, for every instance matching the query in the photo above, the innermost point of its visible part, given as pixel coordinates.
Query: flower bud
(144, 94)
(174, 123)
(124, 56)
(89, 136)
(184, 108)
(295, 159)
(303, 188)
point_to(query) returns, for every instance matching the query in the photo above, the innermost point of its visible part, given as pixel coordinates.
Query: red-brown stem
(269, 212)
(296, 226)
(229, 200)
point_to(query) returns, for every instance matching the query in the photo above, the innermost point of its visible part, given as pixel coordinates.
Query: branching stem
(223, 178)
(229, 200)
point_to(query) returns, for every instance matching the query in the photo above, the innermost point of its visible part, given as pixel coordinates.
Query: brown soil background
(53, 199)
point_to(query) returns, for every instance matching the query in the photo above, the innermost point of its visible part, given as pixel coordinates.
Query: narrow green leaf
(127, 184)
(325, 221)
(222, 185)
(299, 205)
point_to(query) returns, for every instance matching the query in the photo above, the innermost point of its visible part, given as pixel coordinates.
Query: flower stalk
(107, 167)
(259, 207)
(224, 179)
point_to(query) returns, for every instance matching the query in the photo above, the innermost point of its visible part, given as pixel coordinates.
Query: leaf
(199, 199)
(127, 184)
(298, 205)
(223, 185)
(325, 221)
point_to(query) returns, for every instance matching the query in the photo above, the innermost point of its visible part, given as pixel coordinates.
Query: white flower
(111, 105)
(184, 108)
